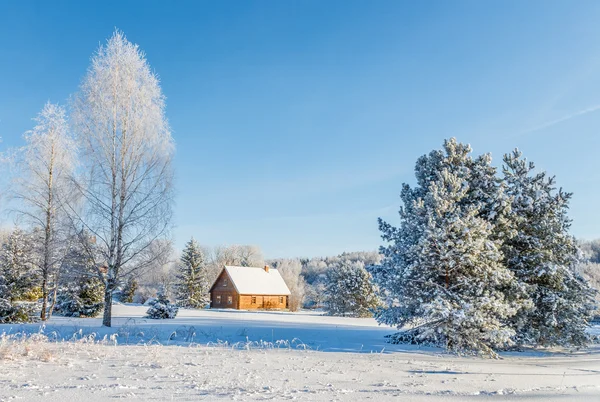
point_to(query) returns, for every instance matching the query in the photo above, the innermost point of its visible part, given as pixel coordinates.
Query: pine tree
(349, 290)
(192, 281)
(81, 287)
(82, 297)
(442, 273)
(161, 308)
(128, 290)
(18, 282)
(543, 256)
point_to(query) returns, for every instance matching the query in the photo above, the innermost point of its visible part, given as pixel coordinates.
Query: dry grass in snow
(77, 361)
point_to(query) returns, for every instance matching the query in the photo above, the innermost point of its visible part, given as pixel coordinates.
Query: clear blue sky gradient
(297, 121)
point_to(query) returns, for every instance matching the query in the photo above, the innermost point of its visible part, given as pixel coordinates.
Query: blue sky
(297, 121)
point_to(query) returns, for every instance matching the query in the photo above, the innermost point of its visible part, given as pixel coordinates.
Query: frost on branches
(481, 262)
(161, 308)
(349, 290)
(543, 256)
(46, 163)
(124, 184)
(192, 286)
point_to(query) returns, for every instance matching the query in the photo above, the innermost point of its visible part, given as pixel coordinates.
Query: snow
(257, 281)
(243, 355)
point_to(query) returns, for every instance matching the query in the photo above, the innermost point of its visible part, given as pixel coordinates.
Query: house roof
(257, 281)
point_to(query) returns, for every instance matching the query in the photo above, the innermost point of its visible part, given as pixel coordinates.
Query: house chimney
(266, 268)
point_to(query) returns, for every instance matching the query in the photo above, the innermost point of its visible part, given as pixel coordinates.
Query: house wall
(262, 302)
(222, 292)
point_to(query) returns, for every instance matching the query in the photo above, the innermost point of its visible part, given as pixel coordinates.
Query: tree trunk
(44, 298)
(106, 318)
(48, 236)
(54, 293)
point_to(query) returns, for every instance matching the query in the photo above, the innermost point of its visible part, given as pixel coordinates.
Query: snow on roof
(257, 281)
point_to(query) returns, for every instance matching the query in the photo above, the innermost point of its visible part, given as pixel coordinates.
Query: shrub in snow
(349, 291)
(191, 289)
(161, 308)
(81, 298)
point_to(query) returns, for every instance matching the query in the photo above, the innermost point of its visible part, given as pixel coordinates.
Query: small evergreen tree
(128, 290)
(543, 256)
(349, 291)
(18, 281)
(81, 298)
(161, 308)
(192, 286)
(80, 291)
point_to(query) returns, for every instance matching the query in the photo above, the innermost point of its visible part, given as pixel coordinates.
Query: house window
(225, 282)
(280, 299)
(253, 299)
(229, 299)
(218, 299)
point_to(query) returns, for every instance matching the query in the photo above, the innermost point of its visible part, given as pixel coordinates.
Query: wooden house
(249, 288)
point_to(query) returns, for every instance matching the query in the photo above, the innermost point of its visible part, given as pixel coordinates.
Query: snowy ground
(231, 355)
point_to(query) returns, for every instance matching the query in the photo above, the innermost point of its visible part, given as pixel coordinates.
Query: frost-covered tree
(591, 272)
(315, 294)
(161, 308)
(161, 272)
(543, 255)
(290, 270)
(192, 286)
(125, 181)
(591, 251)
(349, 290)
(442, 272)
(18, 280)
(45, 166)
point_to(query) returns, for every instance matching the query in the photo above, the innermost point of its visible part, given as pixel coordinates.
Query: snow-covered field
(238, 355)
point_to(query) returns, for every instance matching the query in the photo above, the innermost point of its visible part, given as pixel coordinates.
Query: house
(249, 288)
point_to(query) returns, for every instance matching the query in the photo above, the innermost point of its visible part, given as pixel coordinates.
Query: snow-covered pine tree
(80, 292)
(192, 286)
(161, 308)
(128, 290)
(442, 273)
(81, 297)
(543, 256)
(349, 290)
(18, 282)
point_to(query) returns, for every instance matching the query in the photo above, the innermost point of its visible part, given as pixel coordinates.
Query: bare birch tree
(126, 179)
(45, 165)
